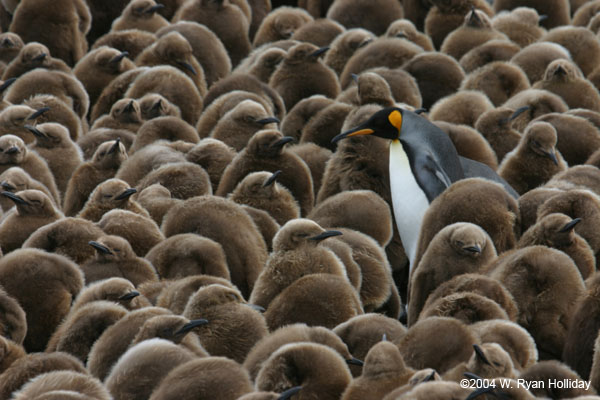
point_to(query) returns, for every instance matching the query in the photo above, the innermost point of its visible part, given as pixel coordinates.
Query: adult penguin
(423, 163)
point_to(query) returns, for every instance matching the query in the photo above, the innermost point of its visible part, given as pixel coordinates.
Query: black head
(385, 123)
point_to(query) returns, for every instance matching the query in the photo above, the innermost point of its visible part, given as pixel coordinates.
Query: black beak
(157, 105)
(39, 58)
(401, 35)
(256, 307)
(560, 70)
(289, 393)
(130, 107)
(7, 186)
(119, 57)
(38, 113)
(430, 377)
(568, 227)
(473, 249)
(115, 146)
(191, 325)
(318, 52)
(359, 130)
(36, 131)
(187, 66)
(478, 392)
(12, 150)
(542, 18)
(14, 197)
(269, 120)
(518, 112)
(6, 84)
(551, 155)
(480, 355)
(130, 295)
(474, 16)
(126, 194)
(155, 8)
(355, 361)
(325, 235)
(354, 77)
(282, 141)
(272, 178)
(100, 247)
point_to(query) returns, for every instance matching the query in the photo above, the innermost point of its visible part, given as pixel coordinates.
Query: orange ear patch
(395, 119)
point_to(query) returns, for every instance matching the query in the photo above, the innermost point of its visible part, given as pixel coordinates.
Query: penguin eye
(116, 250)
(102, 153)
(497, 364)
(460, 243)
(536, 143)
(107, 196)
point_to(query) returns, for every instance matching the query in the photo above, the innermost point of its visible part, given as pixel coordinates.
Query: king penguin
(423, 163)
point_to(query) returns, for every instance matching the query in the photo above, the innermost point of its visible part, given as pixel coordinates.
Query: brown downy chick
(15, 179)
(496, 127)
(54, 145)
(405, 29)
(234, 327)
(320, 371)
(265, 152)
(520, 25)
(302, 74)
(14, 118)
(296, 253)
(115, 258)
(554, 370)
(153, 105)
(9, 353)
(239, 124)
(132, 41)
(535, 58)
(266, 63)
(558, 231)
(59, 113)
(67, 385)
(488, 361)
(494, 50)
(104, 165)
(476, 29)
(344, 46)
(384, 370)
(212, 155)
(108, 195)
(142, 15)
(34, 209)
(557, 14)
(183, 180)
(535, 160)
(124, 114)
(10, 45)
(499, 80)
(13, 325)
(581, 42)
(116, 290)
(463, 107)
(33, 55)
(175, 295)
(374, 16)
(173, 49)
(456, 249)
(261, 190)
(157, 200)
(168, 128)
(540, 103)
(564, 78)
(99, 67)
(280, 24)
(138, 229)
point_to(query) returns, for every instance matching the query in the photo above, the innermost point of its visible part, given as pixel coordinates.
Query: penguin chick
(384, 370)
(535, 160)
(157, 200)
(59, 112)
(139, 230)
(82, 327)
(405, 29)
(10, 45)
(173, 49)
(463, 247)
(265, 63)
(305, 364)
(463, 107)
(168, 128)
(476, 29)
(513, 338)
(225, 19)
(464, 306)
(31, 56)
(124, 114)
(63, 384)
(302, 74)
(580, 42)
(99, 67)
(212, 155)
(494, 50)
(115, 91)
(496, 127)
(94, 138)
(15, 179)
(240, 123)
(261, 190)
(116, 290)
(70, 22)
(153, 105)
(142, 368)
(244, 247)
(557, 14)
(499, 80)
(133, 41)
(558, 231)
(14, 118)
(9, 353)
(280, 24)
(205, 377)
(542, 310)
(421, 347)
(343, 47)
(142, 15)
(316, 158)
(34, 209)
(319, 32)
(104, 165)
(13, 325)
(265, 152)
(177, 293)
(564, 78)
(579, 347)
(520, 25)
(115, 258)
(549, 370)
(579, 177)
(188, 254)
(296, 253)
(351, 14)
(488, 361)
(234, 327)
(183, 180)
(539, 103)
(58, 280)
(51, 139)
(110, 194)
(535, 58)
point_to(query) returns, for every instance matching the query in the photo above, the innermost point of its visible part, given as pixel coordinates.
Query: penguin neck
(408, 199)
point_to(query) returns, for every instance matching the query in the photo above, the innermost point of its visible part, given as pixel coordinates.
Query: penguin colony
(180, 217)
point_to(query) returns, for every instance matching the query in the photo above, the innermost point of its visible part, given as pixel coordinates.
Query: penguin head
(259, 185)
(477, 19)
(468, 239)
(424, 375)
(373, 88)
(14, 179)
(153, 105)
(300, 232)
(267, 143)
(50, 134)
(558, 229)
(32, 202)
(18, 115)
(490, 360)
(541, 138)
(304, 52)
(127, 111)
(385, 123)
(214, 295)
(35, 54)
(142, 9)
(118, 290)
(168, 327)
(112, 248)
(12, 149)
(112, 192)
(177, 51)
(110, 154)
(110, 60)
(251, 115)
(562, 70)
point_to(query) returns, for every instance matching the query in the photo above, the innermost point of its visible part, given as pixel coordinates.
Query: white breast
(408, 199)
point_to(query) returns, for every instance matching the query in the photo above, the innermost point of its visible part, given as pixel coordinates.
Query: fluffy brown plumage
(108, 195)
(142, 15)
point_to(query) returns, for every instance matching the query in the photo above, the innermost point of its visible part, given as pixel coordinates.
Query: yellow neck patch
(395, 119)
